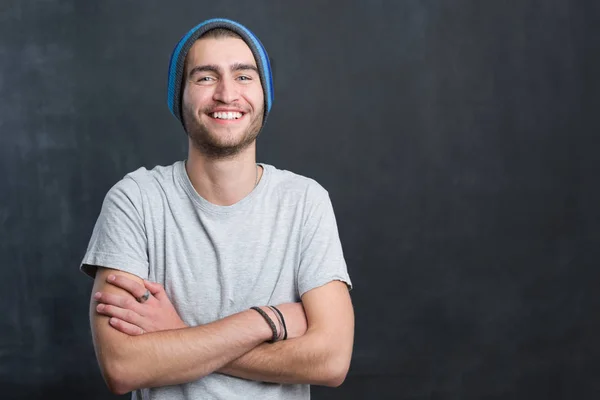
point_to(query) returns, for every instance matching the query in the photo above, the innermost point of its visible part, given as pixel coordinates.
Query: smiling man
(218, 277)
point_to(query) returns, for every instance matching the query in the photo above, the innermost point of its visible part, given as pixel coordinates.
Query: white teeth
(227, 115)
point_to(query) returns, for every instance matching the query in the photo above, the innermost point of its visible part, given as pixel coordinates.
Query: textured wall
(458, 141)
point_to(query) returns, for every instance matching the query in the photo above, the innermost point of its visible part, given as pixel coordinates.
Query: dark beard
(203, 141)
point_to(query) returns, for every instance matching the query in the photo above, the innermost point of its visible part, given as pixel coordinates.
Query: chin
(218, 140)
(216, 146)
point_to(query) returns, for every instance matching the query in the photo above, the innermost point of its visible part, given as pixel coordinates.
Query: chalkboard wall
(458, 140)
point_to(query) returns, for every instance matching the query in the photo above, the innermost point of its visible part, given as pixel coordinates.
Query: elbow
(336, 371)
(336, 379)
(116, 382)
(117, 387)
(120, 366)
(117, 378)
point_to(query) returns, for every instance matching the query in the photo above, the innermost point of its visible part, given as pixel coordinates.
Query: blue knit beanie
(177, 63)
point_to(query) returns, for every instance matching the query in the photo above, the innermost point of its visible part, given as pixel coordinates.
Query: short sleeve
(321, 259)
(119, 239)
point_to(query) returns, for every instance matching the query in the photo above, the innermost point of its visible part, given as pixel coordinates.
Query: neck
(226, 181)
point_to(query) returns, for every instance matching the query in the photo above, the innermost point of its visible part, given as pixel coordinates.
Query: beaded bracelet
(269, 321)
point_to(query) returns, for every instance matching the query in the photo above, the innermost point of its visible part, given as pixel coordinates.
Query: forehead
(219, 51)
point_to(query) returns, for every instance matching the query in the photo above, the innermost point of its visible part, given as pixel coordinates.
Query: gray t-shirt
(271, 247)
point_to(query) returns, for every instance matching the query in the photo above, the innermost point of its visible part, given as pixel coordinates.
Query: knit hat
(177, 62)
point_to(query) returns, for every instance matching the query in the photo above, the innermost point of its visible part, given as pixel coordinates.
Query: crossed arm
(234, 345)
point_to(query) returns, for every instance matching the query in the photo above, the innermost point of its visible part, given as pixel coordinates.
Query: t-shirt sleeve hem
(114, 261)
(315, 283)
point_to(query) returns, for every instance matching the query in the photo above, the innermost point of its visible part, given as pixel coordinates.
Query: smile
(229, 115)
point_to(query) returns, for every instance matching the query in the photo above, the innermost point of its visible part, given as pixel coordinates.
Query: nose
(226, 91)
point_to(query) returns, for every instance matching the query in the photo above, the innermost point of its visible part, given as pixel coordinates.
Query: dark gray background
(458, 140)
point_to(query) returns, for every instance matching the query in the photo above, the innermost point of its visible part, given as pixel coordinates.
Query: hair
(220, 33)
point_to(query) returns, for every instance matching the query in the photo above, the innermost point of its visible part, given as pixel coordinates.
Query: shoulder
(143, 180)
(135, 186)
(160, 174)
(288, 184)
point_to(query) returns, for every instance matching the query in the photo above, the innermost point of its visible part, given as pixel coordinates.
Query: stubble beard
(210, 144)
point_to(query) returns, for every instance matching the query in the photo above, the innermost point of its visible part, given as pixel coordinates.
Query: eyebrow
(216, 69)
(243, 67)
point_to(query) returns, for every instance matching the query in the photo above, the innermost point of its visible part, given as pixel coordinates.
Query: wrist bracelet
(282, 320)
(269, 321)
(281, 330)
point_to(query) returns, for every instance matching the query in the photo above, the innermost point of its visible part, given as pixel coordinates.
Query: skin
(128, 335)
(134, 317)
(213, 86)
(222, 153)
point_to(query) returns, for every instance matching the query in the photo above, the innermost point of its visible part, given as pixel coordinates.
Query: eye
(203, 80)
(244, 78)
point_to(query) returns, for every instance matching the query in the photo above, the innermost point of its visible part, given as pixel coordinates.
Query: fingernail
(97, 295)
(111, 277)
(100, 307)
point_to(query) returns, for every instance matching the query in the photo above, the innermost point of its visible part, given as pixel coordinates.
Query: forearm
(320, 357)
(310, 359)
(176, 356)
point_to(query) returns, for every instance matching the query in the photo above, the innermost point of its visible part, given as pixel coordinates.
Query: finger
(120, 313)
(130, 285)
(154, 288)
(126, 302)
(126, 327)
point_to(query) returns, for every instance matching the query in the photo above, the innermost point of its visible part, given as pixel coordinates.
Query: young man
(217, 277)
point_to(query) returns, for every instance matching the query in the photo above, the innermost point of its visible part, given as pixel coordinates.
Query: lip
(226, 121)
(224, 109)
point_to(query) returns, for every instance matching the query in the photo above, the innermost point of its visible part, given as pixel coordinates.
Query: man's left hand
(133, 317)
